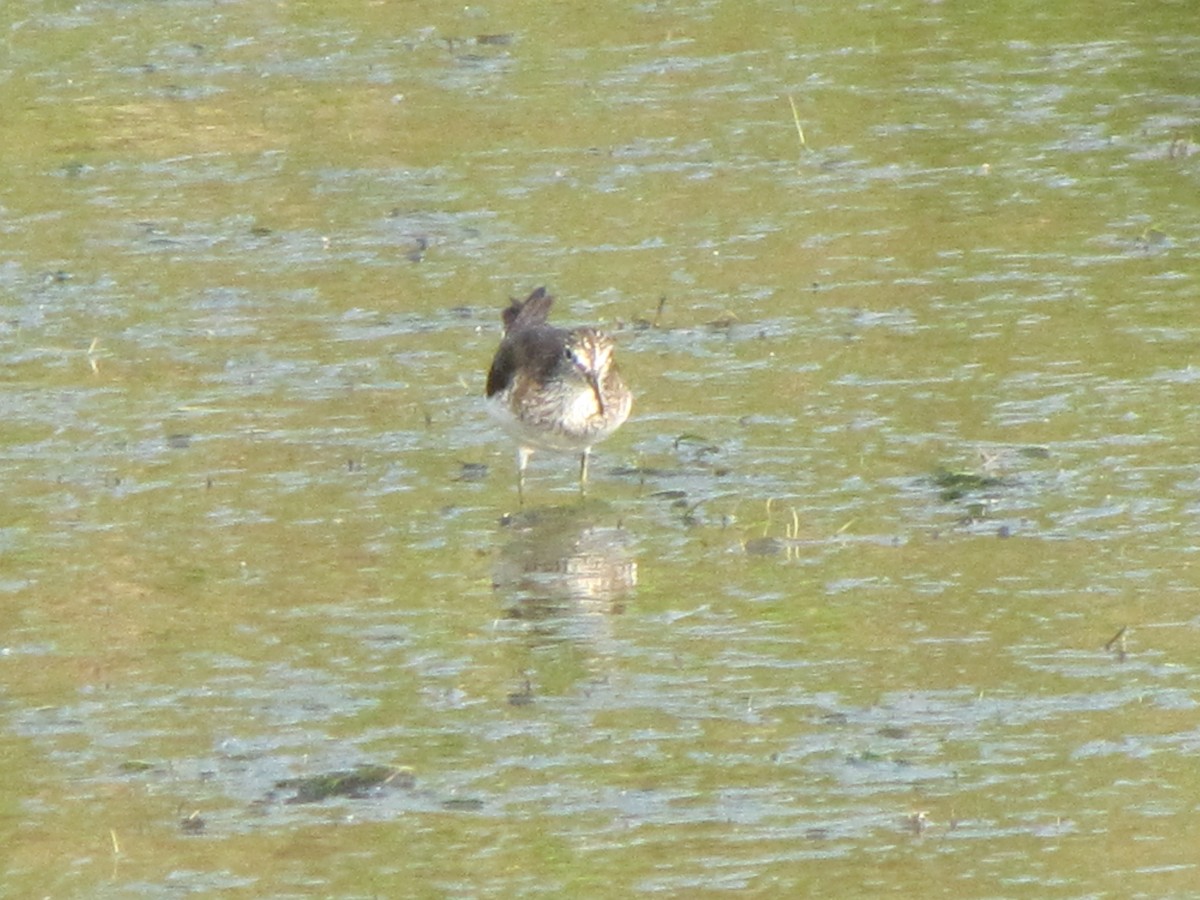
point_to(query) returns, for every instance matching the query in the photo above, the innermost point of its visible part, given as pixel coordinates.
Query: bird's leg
(583, 466)
(523, 454)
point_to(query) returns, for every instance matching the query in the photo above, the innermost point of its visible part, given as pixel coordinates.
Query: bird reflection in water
(564, 572)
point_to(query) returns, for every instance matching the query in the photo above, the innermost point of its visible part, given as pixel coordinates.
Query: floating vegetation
(355, 783)
(799, 127)
(766, 545)
(1116, 644)
(979, 492)
(956, 485)
(136, 767)
(1152, 239)
(698, 444)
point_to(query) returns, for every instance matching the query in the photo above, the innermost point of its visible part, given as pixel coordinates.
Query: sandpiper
(553, 388)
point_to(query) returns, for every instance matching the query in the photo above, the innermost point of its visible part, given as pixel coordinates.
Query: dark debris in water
(917, 822)
(522, 696)
(469, 471)
(643, 472)
(463, 804)
(357, 783)
(871, 758)
(669, 495)
(642, 324)
(764, 546)
(193, 824)
(723, 322)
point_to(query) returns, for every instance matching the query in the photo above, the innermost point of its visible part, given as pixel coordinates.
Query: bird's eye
(568, 353)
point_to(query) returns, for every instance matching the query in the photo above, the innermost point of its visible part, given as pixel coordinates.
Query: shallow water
(842, 614)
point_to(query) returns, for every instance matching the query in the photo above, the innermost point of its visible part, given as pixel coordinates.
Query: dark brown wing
(526, 313)
(537, 351)
(529, 343)
(500, 375)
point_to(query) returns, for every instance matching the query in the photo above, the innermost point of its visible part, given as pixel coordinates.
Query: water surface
(906, 294)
